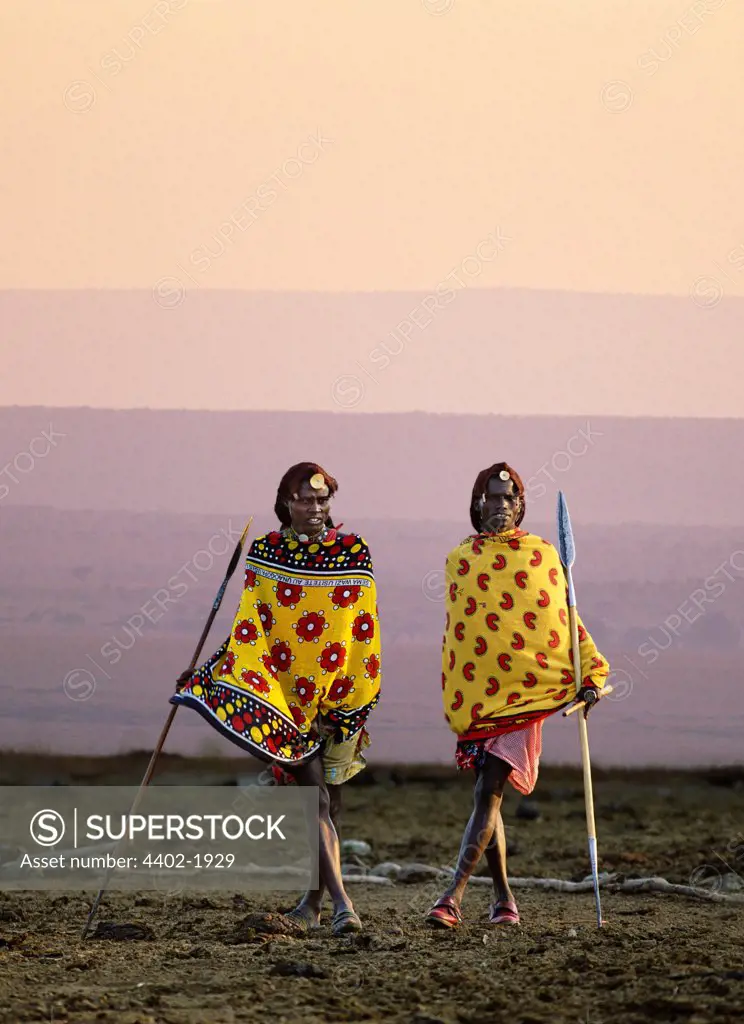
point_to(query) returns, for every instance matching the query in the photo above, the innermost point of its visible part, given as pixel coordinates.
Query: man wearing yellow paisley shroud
(506, 666)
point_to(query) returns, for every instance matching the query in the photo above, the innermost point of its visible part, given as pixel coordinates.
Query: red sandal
(445, 914)
(503, 912)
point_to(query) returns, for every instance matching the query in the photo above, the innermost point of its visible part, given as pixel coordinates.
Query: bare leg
(329, 873)
(496, 857)
(313, 898)
(336, 804)
(483, 828)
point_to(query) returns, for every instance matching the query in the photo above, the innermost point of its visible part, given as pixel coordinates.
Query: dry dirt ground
(196, 959)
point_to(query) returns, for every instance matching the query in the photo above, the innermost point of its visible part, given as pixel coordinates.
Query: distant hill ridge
(407, 466)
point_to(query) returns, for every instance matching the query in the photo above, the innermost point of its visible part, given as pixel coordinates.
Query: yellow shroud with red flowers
(506, 659)
(305, 642)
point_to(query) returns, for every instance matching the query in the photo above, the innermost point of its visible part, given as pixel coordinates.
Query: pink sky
(603, 141)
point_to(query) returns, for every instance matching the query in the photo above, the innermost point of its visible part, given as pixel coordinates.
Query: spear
(567, 550)
(172, 714)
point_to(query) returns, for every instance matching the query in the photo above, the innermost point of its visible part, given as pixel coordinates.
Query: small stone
(602, 876)
(386, 870)
(731, 882)
(412, 873)
(572, 933)
(356, 847)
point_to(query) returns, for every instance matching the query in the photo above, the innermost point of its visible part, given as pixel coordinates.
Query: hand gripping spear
(567, 551)
(169, 721)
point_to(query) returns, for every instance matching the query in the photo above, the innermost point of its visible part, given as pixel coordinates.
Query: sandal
(503, 912)
(445, 914)
(305, 916)
(344, 922)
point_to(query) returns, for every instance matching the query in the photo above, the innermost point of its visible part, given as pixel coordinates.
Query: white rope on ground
(607, 880)
(366, 880)
(630, 885)
(661, 885)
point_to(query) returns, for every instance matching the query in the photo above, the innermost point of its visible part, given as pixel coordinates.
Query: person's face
(501, 507)
(309, 508)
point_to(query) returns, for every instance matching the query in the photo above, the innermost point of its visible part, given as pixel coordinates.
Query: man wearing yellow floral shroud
(298, 676)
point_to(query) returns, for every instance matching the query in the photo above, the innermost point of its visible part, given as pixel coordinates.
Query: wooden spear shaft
(172, 714)
(568, 555)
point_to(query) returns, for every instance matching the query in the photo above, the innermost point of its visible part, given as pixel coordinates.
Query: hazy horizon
(362, 412)
(570, 353)
(180, 459)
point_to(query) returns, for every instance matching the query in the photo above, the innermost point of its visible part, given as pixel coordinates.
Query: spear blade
(566, 546)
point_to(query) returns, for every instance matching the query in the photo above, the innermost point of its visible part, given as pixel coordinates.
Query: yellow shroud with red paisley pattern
(506, 658)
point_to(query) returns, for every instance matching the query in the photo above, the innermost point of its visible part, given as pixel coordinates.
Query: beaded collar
(302, 538)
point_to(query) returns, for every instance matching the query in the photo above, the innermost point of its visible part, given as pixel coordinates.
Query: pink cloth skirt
(521, 749)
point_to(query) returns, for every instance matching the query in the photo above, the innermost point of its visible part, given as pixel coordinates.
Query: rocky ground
(232, 957)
